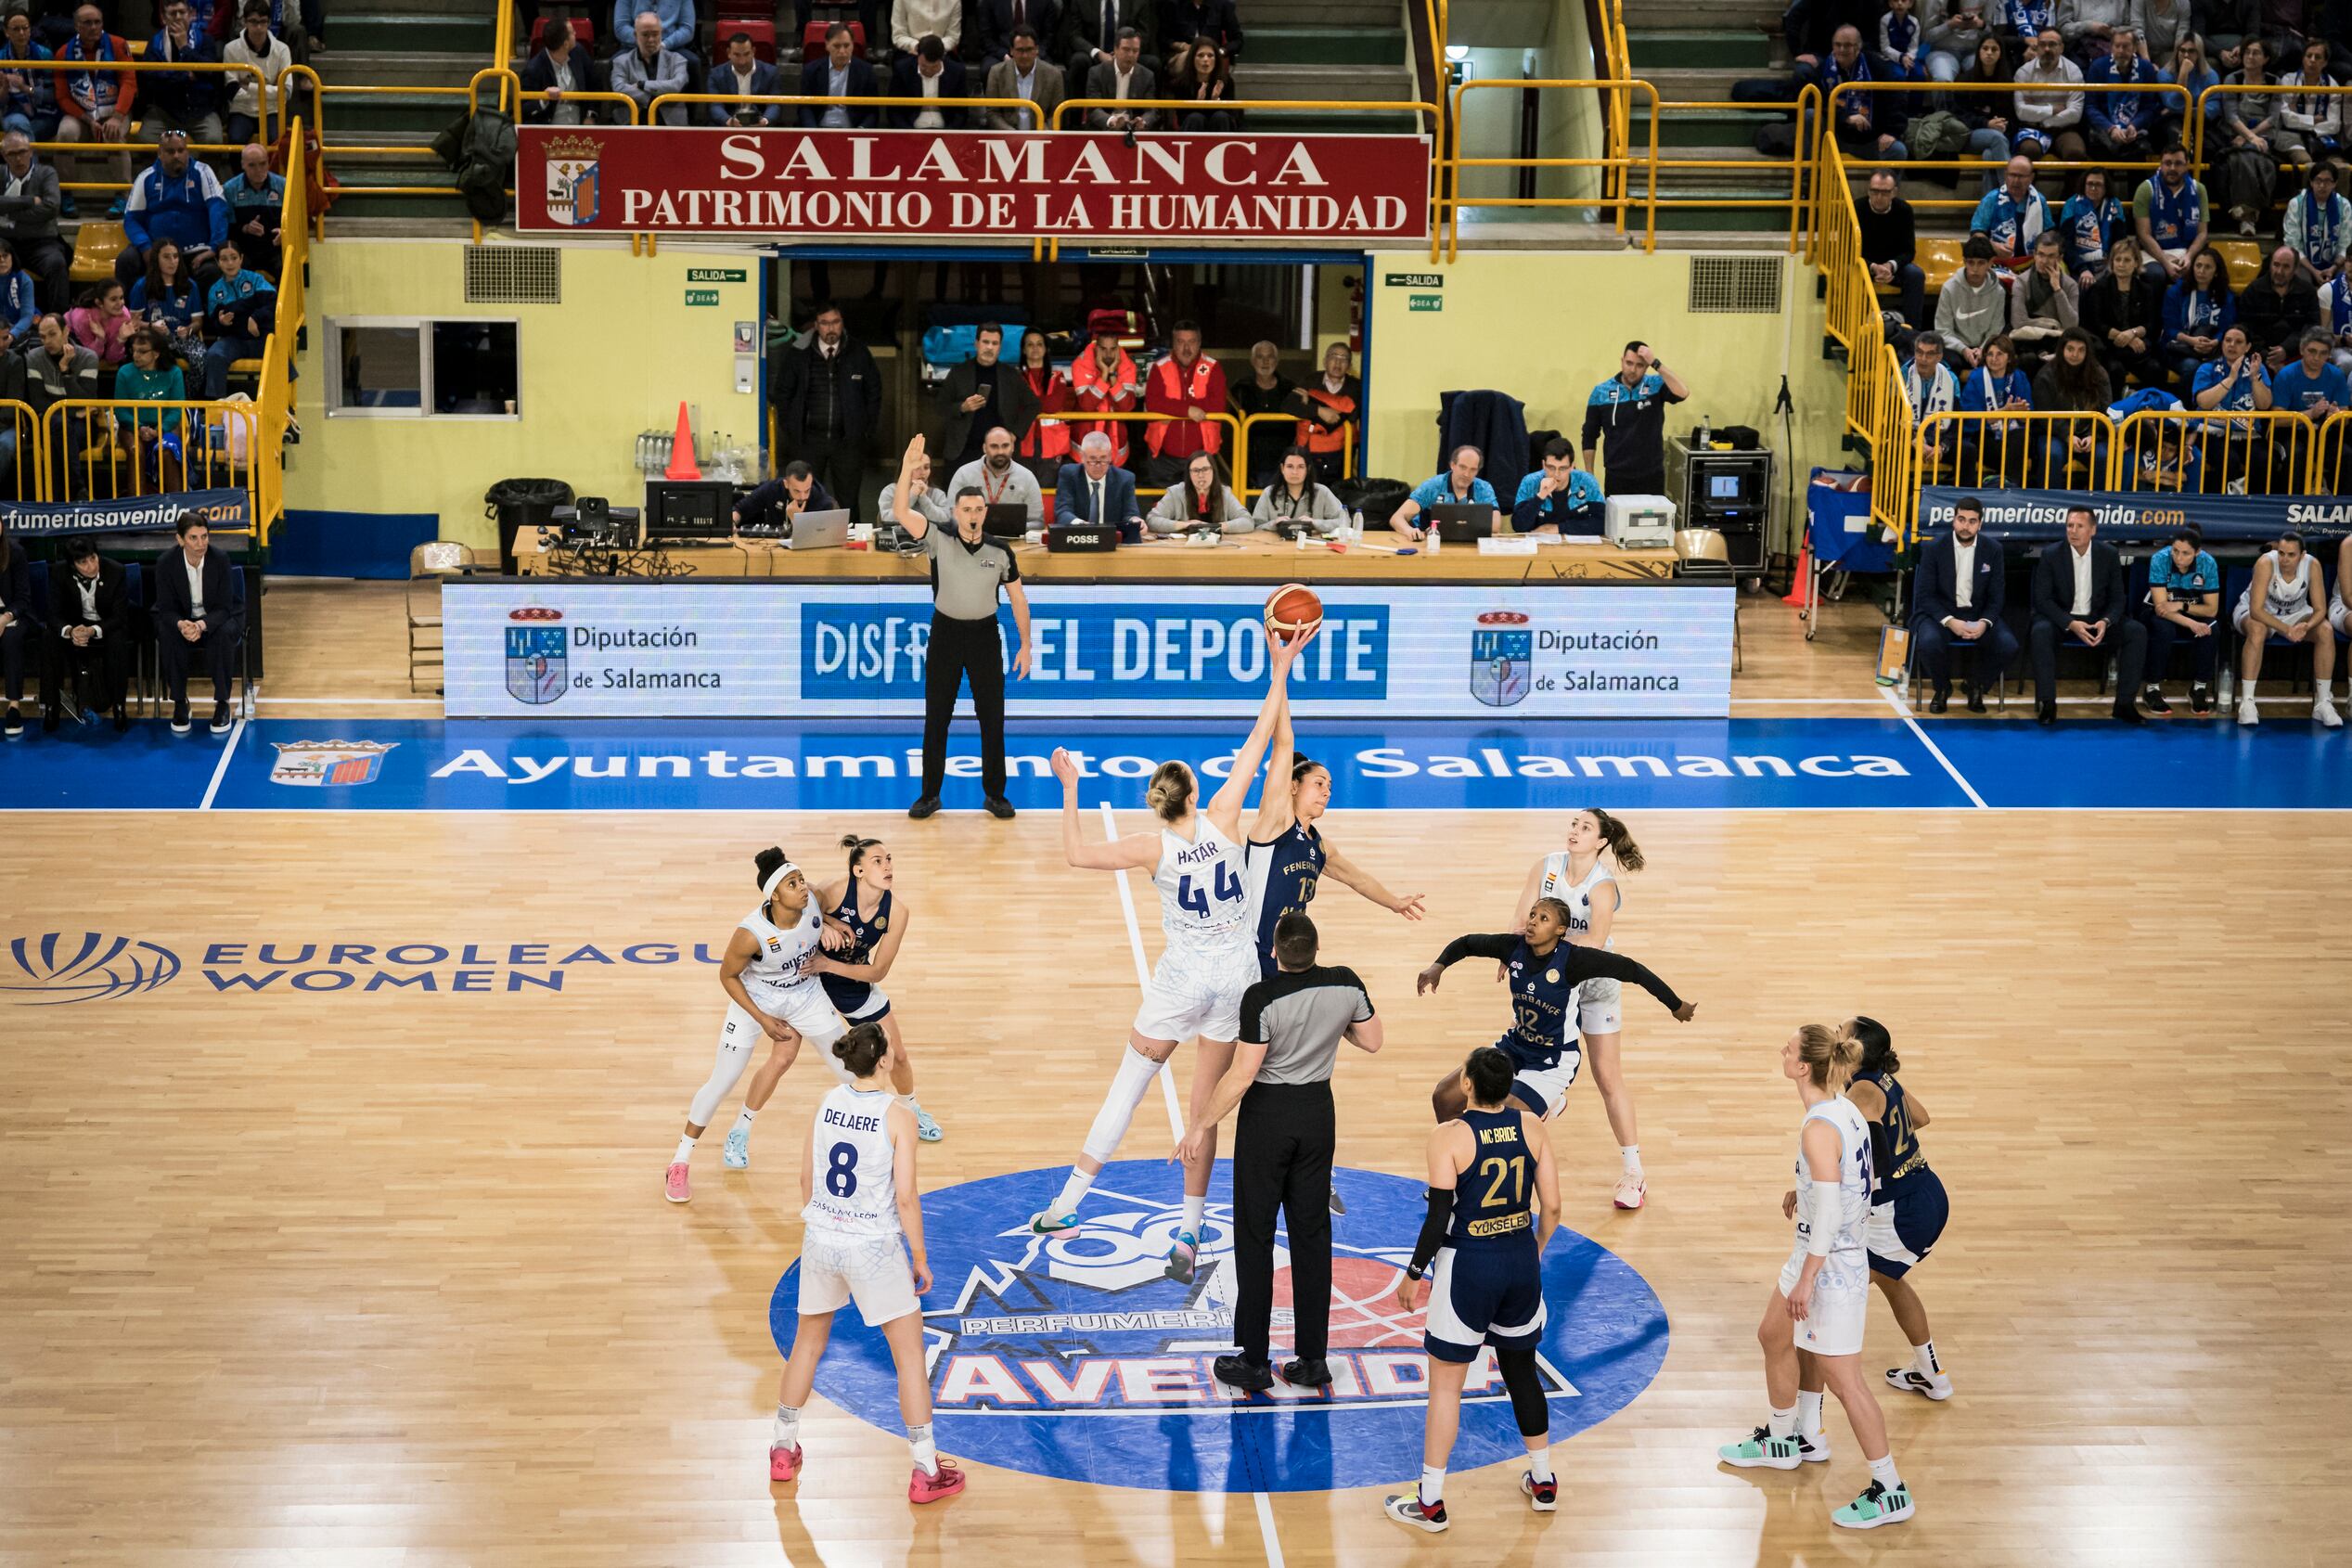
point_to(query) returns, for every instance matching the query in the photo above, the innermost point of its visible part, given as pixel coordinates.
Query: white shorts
(2240, 616)
(1600, 1007)
(804, 1007)
(1832, 1324)
(2339, 612)
(1199, 994)
(871, 1270)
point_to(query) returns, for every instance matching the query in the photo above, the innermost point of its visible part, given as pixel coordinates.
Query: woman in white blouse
(1296, 497)
(1203, 500)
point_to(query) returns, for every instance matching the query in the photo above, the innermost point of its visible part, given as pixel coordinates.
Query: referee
(1292, 1026)
(967, 568)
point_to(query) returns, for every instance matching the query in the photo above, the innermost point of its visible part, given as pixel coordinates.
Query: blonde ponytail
(1170, 795)
(1831, 1054)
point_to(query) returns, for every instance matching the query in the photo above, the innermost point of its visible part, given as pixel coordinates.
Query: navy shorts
(1484, 1295)
(1902, 1232)
(856, 999)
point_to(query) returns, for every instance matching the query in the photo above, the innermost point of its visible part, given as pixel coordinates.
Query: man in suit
(649, 68)
(91, 637)
(1125, 77)
(977, 396)
(1092, 29)
(744, 71)
(194, 619)
(2078, 591)
(30, 200)
(1959, 604)
(1021, 74)
(839, 75)
(829, 405)
(998, 18)
(1183, 20)
(927, 78)
(1092, 490)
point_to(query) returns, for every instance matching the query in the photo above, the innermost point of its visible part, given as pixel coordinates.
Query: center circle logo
(1074, 1356)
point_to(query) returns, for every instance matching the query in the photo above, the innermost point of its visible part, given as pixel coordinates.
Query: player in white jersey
(2287, 597)
(1812, 1328)
(862, 1240)
(1581, 876)
(771, 993)
(1198, 862)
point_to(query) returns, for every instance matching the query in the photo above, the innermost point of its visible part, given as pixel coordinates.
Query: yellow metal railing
(1138, 451)
(2248, 452)
(1240, 455)
(2327, 458)
(27, 457)
(116, 449)
(145, 147)
(1876, 407)
(2195, 135)
(1606, 201)
(1865, 166)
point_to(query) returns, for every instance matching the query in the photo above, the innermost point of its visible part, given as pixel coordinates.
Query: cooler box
(1640, 521)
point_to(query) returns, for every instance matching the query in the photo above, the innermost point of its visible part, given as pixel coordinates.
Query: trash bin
(519, 504)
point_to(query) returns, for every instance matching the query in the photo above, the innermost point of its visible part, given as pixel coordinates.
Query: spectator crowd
(915, 64)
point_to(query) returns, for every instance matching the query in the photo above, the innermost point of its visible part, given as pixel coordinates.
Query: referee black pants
(1282, 1147)
(959, 648)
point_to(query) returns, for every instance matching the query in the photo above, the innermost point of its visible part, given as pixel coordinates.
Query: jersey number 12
(1226, 887)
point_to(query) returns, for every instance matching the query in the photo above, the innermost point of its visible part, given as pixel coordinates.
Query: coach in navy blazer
(1939, 618)
(858, 82)
(1073, 496)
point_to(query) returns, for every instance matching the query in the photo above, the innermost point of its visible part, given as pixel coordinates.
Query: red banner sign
(970, 184)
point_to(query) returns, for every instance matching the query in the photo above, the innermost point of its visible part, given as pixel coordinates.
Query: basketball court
(344, 1058)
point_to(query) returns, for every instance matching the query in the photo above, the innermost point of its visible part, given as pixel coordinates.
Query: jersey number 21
(1226, 888)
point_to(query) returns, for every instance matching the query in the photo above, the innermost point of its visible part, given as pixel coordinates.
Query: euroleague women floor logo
(1072, 1356)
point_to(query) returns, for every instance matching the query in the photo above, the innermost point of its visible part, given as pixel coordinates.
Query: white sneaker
(1813, 1447)
(1910, 1380)
(2247, 713)
(2324, 712)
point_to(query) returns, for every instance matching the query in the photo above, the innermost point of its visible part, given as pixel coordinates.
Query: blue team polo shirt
(1583, 491)
(2292, 390)
(2202, 578)
(1438, 490)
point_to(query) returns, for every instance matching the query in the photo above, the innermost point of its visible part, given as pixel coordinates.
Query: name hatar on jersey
(1204, 887)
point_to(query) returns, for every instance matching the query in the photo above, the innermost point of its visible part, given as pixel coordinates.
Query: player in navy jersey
(1544, 970)
(1909, 1207)
(866, 904)
(1481, 1249)
(1288, 854)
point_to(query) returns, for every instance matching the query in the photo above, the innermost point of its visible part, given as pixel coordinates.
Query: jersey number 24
(1226, 888)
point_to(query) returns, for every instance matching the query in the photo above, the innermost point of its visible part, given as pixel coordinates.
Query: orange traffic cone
(682, 464)
(1796, 594)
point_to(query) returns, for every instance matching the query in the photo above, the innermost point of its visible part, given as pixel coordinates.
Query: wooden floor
(388, 1280)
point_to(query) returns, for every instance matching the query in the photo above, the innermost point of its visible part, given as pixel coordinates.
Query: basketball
(1291, 611)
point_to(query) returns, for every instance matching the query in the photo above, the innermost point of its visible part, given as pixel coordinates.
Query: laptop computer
(1007, 519)
(1462, 523)
(820, 531)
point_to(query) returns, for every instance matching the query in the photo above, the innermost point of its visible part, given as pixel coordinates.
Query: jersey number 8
(840, 1171)
(1227, 888)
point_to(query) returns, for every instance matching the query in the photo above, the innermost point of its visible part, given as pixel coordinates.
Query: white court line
(1143, 972)
(1933, 750)
(1175, 1129)
(348, 702)
(220, 769)
(1223, 1412)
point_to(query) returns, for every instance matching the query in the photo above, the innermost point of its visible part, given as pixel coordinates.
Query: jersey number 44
(1226, 887)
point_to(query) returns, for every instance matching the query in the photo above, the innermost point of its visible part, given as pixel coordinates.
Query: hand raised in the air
(1065, 770)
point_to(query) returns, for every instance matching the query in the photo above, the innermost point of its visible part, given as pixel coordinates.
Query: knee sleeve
(1128, 1089)
(1527, 1402)
(734, 1055)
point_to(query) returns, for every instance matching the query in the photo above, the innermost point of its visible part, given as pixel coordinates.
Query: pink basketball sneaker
(675, 1184)
(783, 1463)
(924, 1488)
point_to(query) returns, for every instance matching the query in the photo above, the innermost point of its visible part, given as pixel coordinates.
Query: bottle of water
(1354, 530)
(1706, 433)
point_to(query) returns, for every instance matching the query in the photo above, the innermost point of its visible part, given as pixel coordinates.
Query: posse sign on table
(1176, 189)
(843, 650)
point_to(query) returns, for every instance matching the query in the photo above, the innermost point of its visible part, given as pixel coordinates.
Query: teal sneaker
(1049, 1222)
(925, 1128)
(1878, 1505)
(1183, 1258)
(737, 1156)
(1761, 1450)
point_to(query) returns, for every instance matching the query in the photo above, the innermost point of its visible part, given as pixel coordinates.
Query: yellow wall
(1568, 119)
(1546, 326)
(614, 359)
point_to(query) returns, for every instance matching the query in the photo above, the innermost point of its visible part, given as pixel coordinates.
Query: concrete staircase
(1694, 50)
(396, 45)
(1328, 49)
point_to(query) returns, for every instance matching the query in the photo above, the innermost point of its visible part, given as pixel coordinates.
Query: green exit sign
(711, 297)
(716, 275)
(1412, 301)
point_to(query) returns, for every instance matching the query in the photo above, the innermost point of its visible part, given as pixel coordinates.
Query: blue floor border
(586, 765)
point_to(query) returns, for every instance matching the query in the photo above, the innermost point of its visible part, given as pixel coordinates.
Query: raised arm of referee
(1292, 1026)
